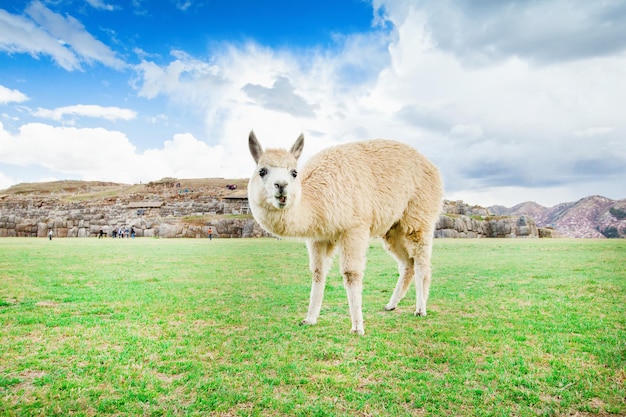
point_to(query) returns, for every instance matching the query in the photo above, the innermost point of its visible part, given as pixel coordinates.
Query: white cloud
(72, 33)
(64, 39)
(275, 92)
(100, 154)
(65, 149)
(8, 95)
(87, 110)
(508, 122)
(183, 5)
(21, 35)
(101, 5)
(479, 33)
(171, 80)
(159, 118)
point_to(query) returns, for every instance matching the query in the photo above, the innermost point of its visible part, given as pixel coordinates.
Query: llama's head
(275, 182)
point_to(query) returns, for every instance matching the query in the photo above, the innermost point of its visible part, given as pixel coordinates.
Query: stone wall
(33, 218)
(460, 226)
(231, 228)
(464, 209)
(461, 220)
(192, 217)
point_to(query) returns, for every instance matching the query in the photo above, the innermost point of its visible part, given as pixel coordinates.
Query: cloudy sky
(514, 101)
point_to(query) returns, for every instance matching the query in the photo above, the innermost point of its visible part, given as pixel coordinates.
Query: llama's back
(373, 182)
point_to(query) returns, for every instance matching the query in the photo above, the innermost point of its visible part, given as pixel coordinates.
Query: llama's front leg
(354, 249)
(422, 286)
(353, 281)
(320, 254)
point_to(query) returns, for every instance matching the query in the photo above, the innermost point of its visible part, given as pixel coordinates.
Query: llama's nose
(280, 186)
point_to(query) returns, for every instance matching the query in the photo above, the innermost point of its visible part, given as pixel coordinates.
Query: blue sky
(513, 101)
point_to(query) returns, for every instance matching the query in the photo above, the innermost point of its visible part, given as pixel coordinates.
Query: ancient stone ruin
(463, 221)
(168, 209)
(147, 219)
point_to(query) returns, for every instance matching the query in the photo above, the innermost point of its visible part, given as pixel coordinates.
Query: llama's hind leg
(320, 259)
(406, 269)
(422, 275)
(353, 259)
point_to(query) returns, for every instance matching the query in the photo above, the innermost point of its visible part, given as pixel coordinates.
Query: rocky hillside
(165, 188)
(593, 217)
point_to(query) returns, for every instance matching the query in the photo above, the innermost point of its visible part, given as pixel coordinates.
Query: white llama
(341, 198)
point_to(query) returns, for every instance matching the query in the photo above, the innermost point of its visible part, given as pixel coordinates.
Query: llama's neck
(295, 221)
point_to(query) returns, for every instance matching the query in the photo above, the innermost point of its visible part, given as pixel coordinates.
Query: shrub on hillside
(609, 232)
(618, 213)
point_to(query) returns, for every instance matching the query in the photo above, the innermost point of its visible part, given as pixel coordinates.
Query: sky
(513, 101)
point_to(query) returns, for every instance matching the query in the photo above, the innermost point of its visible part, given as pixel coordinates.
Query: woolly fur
(341, 198)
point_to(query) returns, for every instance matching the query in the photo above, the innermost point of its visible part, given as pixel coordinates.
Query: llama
(341, 198)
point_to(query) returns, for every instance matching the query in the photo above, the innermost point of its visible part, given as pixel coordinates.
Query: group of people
(119, 232)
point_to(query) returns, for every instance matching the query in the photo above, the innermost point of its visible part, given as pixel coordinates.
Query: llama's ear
(255, 147)
(296, 149)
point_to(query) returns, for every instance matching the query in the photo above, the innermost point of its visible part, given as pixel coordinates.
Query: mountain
(593, 216)
(529, 208)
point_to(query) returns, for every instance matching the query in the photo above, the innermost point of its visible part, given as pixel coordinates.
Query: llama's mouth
(281, 200)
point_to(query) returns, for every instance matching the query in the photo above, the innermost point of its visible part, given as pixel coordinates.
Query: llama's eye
(262, 172)
(294, 173)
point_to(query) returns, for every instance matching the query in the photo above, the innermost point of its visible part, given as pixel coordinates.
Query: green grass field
(157, 327)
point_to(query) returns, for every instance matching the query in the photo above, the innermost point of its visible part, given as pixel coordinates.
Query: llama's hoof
(389, 307)
(420, 313)
(360, 332)
(307, 322)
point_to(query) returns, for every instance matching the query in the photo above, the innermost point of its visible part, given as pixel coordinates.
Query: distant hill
(593, 216)
(71, 190)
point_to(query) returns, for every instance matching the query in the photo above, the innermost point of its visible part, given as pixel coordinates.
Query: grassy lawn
(191, 327)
